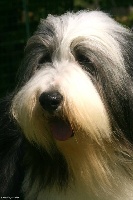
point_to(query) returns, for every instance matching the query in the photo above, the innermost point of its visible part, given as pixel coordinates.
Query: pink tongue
(60, 129)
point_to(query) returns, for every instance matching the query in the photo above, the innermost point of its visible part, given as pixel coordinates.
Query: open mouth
(60, 129)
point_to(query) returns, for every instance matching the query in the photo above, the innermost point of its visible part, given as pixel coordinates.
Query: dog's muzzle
(50, 102)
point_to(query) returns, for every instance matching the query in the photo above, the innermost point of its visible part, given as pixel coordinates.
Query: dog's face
(76, 90)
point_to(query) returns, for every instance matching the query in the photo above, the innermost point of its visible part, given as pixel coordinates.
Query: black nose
(50, 101)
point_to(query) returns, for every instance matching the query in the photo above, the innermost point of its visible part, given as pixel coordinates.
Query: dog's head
(76, 91)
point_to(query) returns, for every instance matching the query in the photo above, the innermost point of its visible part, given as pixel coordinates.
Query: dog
(66, 132)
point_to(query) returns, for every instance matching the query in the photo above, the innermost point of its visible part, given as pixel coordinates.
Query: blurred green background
(19, 19)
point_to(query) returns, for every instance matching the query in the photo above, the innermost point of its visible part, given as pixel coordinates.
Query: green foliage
(126, 19)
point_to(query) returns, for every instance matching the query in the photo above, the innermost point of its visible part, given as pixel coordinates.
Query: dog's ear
(121, 101)
(11, 152)
(126, 100)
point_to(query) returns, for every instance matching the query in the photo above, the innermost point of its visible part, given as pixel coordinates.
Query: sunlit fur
(97, 104)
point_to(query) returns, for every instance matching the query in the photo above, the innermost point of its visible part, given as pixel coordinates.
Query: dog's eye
(44, 59)
(86, 64)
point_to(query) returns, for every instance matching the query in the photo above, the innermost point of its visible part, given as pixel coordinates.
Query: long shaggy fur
(86, 59)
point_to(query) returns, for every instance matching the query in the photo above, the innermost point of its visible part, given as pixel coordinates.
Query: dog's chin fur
(87, 58)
